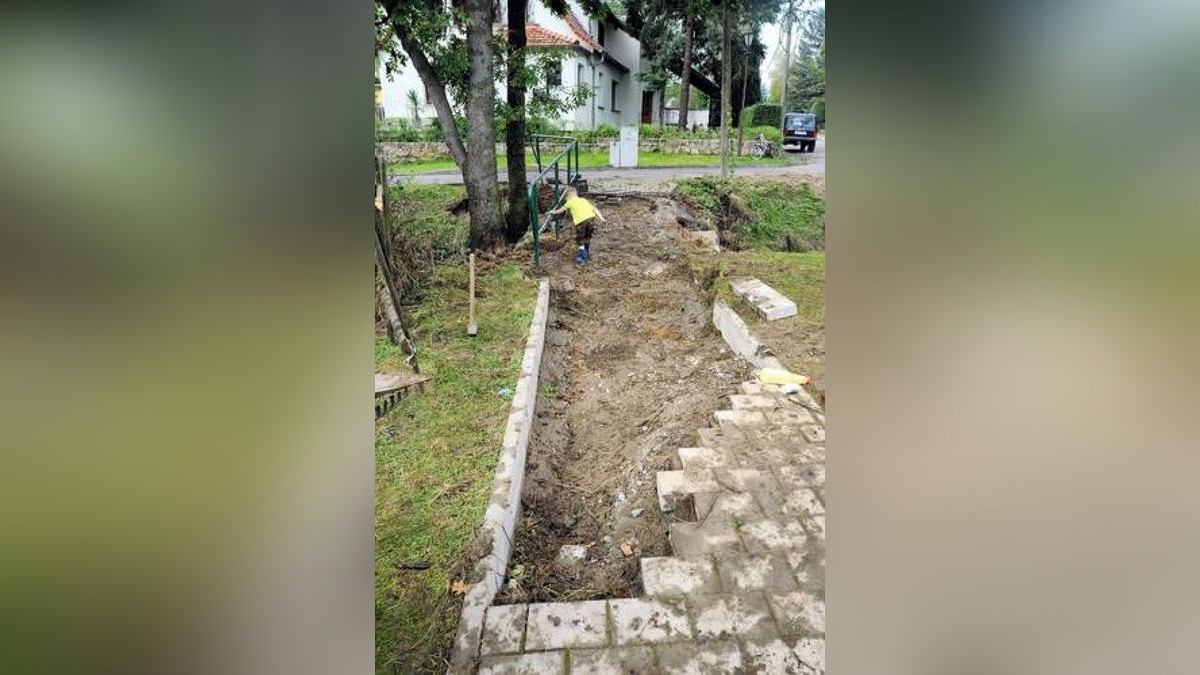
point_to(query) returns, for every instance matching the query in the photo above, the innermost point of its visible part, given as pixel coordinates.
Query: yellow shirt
(580, 208)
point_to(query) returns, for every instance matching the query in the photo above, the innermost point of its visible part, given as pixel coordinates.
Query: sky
(772, 37)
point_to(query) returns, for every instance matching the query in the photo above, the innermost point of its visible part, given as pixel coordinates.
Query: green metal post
(533, 221)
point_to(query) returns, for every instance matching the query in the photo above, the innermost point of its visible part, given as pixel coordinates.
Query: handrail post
(533, 221)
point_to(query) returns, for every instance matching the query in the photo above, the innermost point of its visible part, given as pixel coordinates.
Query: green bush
(607, 130)
(771, 133)
(763, 115)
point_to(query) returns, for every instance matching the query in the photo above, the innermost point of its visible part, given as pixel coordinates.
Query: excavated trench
(631, 368)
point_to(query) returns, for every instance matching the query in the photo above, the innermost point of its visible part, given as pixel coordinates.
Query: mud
(630, 370)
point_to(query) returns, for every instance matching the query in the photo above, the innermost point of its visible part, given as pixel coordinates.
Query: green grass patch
(435, 455)
(761, 213)
(799, 276)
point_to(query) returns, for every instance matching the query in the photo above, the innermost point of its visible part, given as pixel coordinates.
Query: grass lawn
(593, 160)
(435, 455)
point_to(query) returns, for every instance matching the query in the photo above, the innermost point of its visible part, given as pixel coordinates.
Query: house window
(600, 33)
(554, 75)
(613, 97)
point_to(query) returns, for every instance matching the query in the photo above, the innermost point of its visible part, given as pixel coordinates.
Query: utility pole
(745, 75)
(726, 87)
(787, 61)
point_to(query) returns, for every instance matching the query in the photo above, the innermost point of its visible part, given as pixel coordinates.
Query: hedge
(763, 115)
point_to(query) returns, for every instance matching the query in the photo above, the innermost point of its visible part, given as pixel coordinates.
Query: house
(600, 55)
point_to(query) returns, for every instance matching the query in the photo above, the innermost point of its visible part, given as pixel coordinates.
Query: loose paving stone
(555, 625)
(503, 628)
(612, 660)
(710, 536)
(732, 616)
(541, 663)
(790, 416)
(674, 486)
(710, 658)
(813, 433)
(642, 621)
(816, 525)
(798, 613)
(702, 458)
(769, 303)
(803, 475)
(803, 502)
(732, 508)
(737, 418)
(670, 576)
(756, 573)
(811, 653)
(754, 402)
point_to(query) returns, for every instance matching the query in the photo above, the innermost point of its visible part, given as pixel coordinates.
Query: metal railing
(570, 153)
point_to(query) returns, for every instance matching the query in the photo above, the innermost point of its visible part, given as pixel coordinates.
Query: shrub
(771, 133)
(607, 130)
(763, 115)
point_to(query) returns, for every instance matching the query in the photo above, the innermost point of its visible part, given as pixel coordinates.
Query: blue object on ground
(506, 392)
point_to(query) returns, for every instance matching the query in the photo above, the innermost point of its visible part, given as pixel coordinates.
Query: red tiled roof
(539, 36)
(580, 32)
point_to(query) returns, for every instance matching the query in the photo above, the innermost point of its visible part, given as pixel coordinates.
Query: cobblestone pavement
(745, 588)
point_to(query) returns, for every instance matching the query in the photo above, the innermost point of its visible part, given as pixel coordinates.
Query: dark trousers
(583, 233)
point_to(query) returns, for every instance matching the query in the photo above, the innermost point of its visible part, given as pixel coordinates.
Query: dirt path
(631, 369)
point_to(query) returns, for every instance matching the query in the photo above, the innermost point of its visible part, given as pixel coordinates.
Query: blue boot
(582, 257)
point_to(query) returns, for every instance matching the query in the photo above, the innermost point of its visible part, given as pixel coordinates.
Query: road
(813, 163)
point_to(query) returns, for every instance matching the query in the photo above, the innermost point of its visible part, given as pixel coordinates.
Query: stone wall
(398, 152)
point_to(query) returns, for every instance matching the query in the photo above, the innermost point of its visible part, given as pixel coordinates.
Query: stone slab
(558, 625)
(769, 303)
(798, 613)
(612, 660)
(503, 629)
(711, 658)
(742, 616)
(756, 573)
(671, 576)
(644, 621)
(542, 663)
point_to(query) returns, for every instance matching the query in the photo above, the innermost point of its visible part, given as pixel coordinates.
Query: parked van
(800, 129)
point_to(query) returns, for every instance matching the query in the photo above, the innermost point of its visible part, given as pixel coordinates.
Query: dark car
(800, 129)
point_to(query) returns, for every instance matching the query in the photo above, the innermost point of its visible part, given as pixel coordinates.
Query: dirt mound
(631, 369)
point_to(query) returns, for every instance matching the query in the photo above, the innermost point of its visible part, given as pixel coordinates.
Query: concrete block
(639, 621)
(736, 418)
(813, 433)
(803, 502)
(811, 653)
(730, 507)
(769, 303)
(692, 540)
(790, 416)
(670, 576)
(765, 536)
(702, 458)
(816, 525)
(756, 573)
(544, 663)
(773, 656)
(710, 658)
(753, 402)
(744, 616)
(802, 475)
(798, 613)
(674, 486)
(557, 625)
(612, 660)
(503, 629)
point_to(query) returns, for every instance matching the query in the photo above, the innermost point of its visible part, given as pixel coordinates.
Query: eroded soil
(630, 370)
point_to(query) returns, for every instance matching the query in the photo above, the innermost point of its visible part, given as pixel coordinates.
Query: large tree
(517, 216)
(430, 36)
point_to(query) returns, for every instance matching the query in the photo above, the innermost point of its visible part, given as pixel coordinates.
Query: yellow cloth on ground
(580, 208)
(777, 376)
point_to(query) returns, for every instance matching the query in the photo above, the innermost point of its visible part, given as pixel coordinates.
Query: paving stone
(754, 402)
(798, 613)
(612, 660)
(711, 658)
(774, 656)
(673, 486)
(541, 663)
(816, 525)
(803, 502)
(735, 418)
(732, 616)
(802, 475)
(769, 303)
(813, 433)
(746, 480)
(729, 507)
(811, 653)
(717, 437)
(555, 625)
(790, 416)
(702, 458)
(756, 573)
(671, 576)
(644, 621)
(699, 539)
(503, 628)
(765, 536)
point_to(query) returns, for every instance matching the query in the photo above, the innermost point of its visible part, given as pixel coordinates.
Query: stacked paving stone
(744, 590)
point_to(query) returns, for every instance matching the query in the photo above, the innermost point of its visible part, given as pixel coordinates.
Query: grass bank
(594, 160)
(435, 453)
(760, 213)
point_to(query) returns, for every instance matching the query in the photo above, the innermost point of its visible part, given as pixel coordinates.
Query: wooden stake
(472, 329)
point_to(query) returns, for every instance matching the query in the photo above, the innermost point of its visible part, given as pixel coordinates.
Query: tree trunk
(726, 87)
(487, 227)
(685, 78)
(514, 136)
